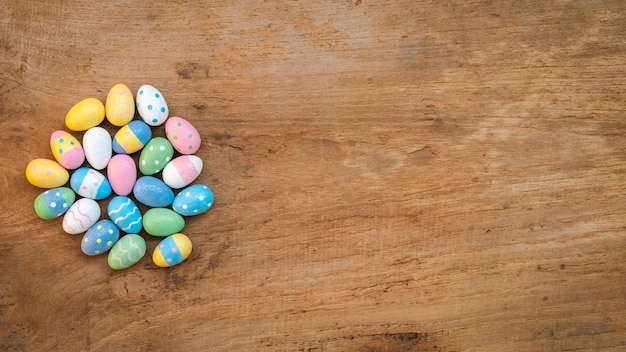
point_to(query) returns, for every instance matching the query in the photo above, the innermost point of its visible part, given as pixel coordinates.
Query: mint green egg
(155, 155)
(162, 222)
(127, 251)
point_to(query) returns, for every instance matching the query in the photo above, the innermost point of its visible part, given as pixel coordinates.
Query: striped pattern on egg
(127, 252)
(119, 105)
(125, 214)
(81, 216)
(182, 171)
(90, 183)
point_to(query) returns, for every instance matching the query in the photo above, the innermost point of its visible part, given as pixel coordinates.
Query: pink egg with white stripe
(81, 216)
(182, 171)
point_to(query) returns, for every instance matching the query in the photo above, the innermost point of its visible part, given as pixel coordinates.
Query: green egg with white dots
(155, 155)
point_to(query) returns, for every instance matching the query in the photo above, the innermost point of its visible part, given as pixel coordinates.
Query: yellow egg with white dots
(100, 238)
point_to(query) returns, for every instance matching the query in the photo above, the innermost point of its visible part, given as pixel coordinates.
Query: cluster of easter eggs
(102, 166)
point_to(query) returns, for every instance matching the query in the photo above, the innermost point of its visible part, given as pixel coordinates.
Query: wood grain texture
(389, 175)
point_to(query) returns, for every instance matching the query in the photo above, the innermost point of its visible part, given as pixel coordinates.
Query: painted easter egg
(153, 192)
(54, 202)
(67, 150)
(132, 137)
(183, 136)
(125, 214)
(90, 183)
(100, 237)
(193, 200)
(119, 105)
(46, 173)
(81, 215)
(162, 222)
(172, 250)
(156, 154)
(151, 105)
(97, 146)
(127, 251)
(122, 174)
(182, 171)
(86, 114)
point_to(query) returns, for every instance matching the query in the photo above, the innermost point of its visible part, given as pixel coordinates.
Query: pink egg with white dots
(183, 136)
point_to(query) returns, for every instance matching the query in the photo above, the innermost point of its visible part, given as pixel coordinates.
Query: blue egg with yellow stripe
(100, 238)
(131, 137)
(172, 250)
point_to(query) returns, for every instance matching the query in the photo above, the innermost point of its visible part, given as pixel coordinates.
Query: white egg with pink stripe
(81, 216)
(182, 171)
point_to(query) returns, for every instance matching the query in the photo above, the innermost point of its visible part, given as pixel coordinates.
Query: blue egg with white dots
(151, 105)
(100, 238)
(193, 200)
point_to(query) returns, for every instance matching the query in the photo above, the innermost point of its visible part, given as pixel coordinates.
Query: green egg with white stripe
(127, 251)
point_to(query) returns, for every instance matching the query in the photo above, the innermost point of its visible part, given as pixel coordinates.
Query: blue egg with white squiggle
(125, 214)
(193, 200)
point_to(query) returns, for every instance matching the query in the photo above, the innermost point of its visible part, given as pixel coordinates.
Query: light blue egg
(125, 214)
(153, 192)
(193, 200)
(100, 238)
(90, 183)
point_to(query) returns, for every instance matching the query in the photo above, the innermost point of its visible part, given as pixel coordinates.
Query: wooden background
(389, 175)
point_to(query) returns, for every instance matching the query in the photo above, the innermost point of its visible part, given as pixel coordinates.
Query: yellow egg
(46, 173)
(86, 114)
(120, 105)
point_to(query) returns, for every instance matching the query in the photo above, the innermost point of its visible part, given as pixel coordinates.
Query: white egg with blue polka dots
(151, 105)
(193, 200)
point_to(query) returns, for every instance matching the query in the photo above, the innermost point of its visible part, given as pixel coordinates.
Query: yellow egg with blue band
(172, 250)
(132, 137)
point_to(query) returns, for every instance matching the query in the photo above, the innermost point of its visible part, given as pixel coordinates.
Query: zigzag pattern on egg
(83, 215)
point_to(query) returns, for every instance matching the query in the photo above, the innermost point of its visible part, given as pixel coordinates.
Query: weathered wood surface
(389, 175)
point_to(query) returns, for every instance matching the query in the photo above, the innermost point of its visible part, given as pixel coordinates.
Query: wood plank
(389, 175)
